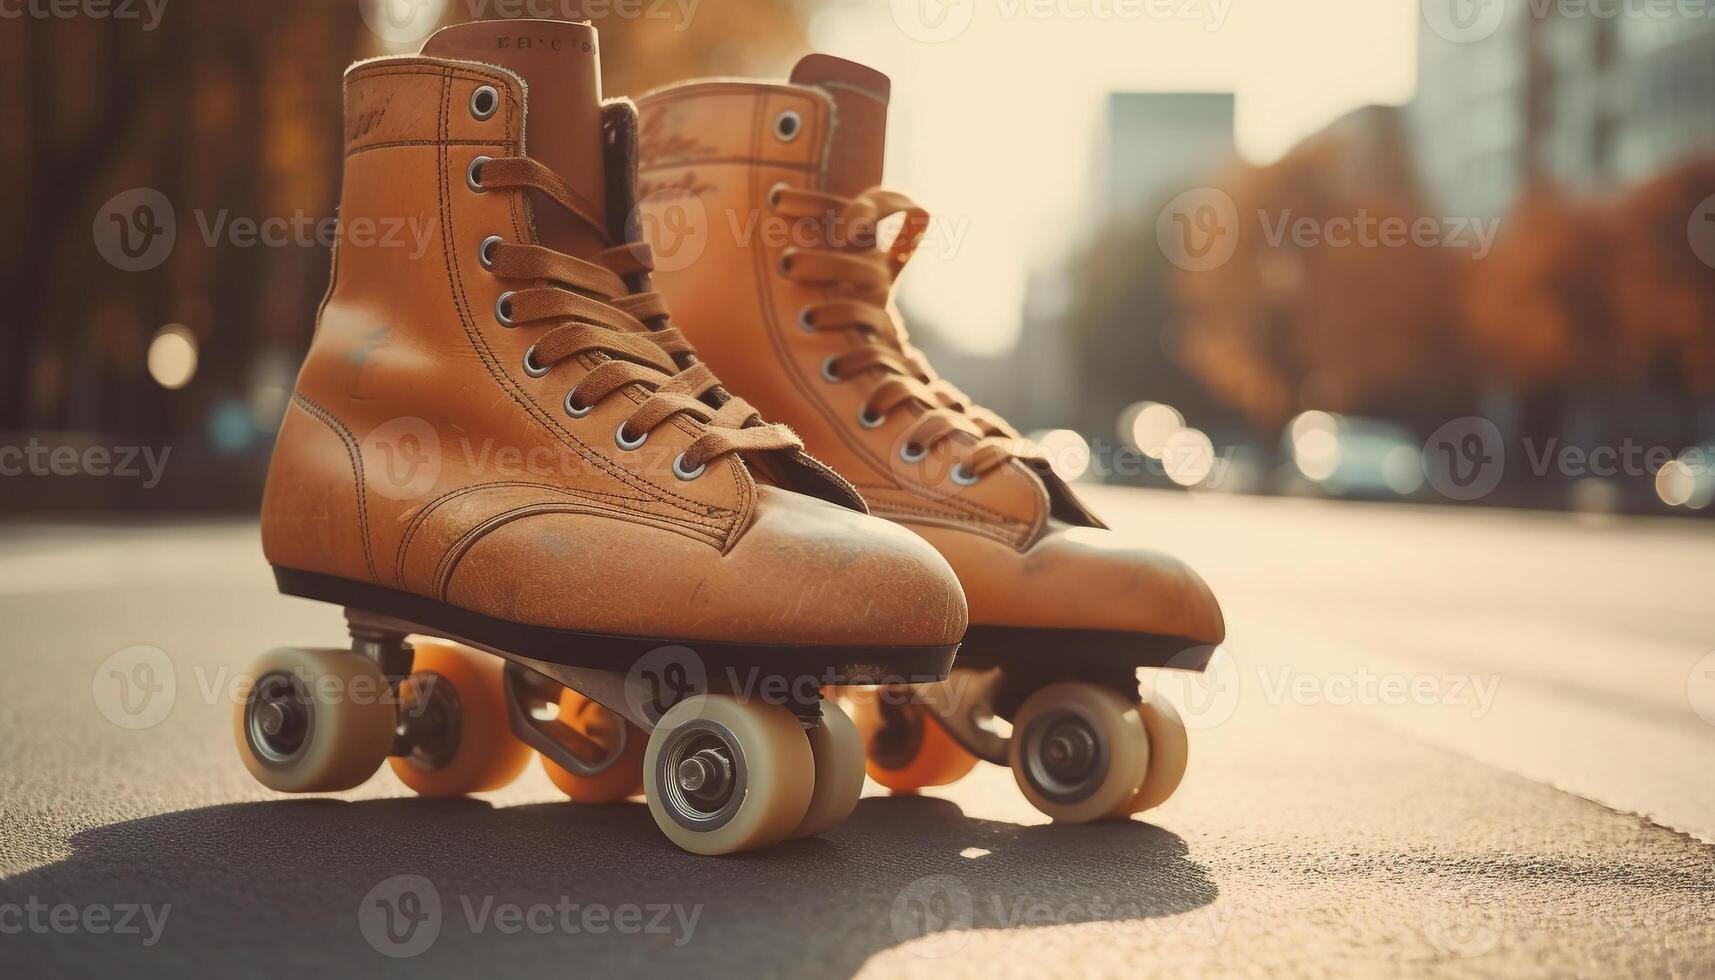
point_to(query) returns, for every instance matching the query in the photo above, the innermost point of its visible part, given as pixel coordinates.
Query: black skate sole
(1021, 646)
(828, 665)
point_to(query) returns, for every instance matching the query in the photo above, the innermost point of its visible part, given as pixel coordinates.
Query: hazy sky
(995, 128)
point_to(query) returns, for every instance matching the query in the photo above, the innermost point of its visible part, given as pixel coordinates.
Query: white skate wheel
(313, 720)
(1078, 751)
(838, 752)
(722, 775)
(1169, 753)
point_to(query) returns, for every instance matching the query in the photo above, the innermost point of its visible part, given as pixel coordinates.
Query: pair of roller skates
(507, 444)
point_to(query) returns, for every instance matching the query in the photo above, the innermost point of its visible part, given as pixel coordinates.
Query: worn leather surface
(420, 455)
(1026, 551)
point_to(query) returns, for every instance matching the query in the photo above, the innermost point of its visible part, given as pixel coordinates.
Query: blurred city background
(1230, 246)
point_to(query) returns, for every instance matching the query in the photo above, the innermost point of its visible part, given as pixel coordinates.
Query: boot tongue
(561, 69)
(860, 97)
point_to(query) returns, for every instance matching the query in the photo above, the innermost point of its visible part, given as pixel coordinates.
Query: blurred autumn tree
(1353, 318)
(1662, 292)
(231, 109)
(1536, 311)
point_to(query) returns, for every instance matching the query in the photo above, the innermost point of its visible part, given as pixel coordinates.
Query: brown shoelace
(595, 312)
(851, 262)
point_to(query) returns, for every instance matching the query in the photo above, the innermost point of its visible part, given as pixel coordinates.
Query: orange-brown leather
(420, 455)
(786, 293)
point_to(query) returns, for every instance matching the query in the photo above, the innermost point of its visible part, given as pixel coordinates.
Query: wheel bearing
(700, 775)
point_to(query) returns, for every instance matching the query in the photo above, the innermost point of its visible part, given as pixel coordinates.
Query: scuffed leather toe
(1080, 578)
(804, 573)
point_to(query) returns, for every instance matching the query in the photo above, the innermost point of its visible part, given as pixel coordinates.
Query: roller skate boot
(553, 531)
(775, 190)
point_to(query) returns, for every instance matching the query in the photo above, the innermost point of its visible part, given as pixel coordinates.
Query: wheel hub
(277, 721)
(1064, 756)
(1068, 751)
(706, 775)
(700, 775)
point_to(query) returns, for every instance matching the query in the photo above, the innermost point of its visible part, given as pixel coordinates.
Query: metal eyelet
(620, 441)
(804, 322)
(869, 421)
(911, 452)
(503, 310)
(684, 474)
(572, 408)
(963, 477)
(473, 173)
(788, 125)
(828, 374)
(785, 265)
(484, 102)
(485, 251)
(774, 195)
(531, 368)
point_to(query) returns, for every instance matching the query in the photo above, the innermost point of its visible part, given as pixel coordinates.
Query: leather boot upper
(763, 202)
(497, 413)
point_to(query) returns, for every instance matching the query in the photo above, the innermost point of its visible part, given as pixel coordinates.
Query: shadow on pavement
(313, 887)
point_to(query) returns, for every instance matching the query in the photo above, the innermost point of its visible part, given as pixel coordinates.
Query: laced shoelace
(595, 312)
(861, 274)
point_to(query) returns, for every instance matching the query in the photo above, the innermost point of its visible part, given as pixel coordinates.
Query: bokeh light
(173, 356)
(1067, 452)
(1153, 426)
(1188, 457)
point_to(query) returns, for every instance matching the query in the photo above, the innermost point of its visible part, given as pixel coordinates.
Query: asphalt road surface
(1439, 742)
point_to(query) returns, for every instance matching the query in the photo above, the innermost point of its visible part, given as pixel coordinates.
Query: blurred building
(1588, 99)
(1157, 143)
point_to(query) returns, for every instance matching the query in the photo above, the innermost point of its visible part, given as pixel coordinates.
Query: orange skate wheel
(599, 726)
(905, 747)
(1169, 751)
(455, 700)
(313, 720)
(1078, 751)
(838, 751)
